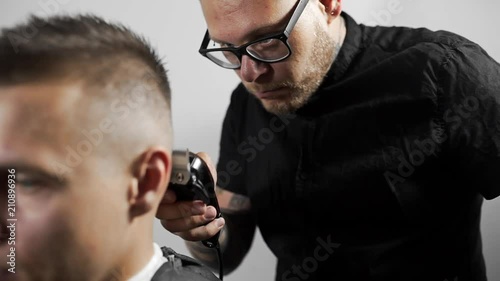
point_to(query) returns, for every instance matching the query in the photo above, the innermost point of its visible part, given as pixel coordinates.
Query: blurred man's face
(71, 204)
(285, 86)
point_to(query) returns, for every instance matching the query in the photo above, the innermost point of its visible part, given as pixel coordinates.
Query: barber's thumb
(204, 156)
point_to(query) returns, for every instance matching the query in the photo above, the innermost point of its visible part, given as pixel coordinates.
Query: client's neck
(137, 251)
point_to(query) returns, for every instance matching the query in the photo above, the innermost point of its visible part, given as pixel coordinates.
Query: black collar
(348, 51)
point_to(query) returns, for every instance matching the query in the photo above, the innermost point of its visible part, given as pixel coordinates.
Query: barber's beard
(318, 62)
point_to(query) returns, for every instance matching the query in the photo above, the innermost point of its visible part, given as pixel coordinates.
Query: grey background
(201, 90)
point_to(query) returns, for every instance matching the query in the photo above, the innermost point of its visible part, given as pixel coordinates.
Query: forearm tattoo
(239, 202)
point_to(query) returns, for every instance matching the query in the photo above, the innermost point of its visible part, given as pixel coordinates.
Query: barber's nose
(251, 70)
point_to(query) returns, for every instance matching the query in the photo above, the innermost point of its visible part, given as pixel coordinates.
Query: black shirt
(381, 176)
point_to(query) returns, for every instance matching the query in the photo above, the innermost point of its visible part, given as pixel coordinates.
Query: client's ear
(152, 174)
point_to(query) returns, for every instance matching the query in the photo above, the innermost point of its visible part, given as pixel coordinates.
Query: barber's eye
(266, 42)
(216, 45)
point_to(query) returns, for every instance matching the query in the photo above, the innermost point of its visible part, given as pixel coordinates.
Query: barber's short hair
(84, 46)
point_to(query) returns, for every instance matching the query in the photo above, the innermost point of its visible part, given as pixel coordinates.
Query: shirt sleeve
(472, 116)
(231, 164)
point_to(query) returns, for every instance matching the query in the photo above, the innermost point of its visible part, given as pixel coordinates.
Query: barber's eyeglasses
(270, 49)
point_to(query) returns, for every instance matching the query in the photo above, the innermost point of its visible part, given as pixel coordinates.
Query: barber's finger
(203, 232)
(180, 209)
(204, 156)
(188, 223)
(169, 197)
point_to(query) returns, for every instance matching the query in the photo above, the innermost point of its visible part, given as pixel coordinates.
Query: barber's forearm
(235, 241)
(208, 256)
(236, 236)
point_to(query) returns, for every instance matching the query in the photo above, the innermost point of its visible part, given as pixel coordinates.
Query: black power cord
(219, 258)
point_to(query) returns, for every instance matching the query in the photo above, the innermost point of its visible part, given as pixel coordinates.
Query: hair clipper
(191, 180)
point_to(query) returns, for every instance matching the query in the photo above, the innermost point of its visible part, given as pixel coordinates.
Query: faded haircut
(109, 59)
(30, 50)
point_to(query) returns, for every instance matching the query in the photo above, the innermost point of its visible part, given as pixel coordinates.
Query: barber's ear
(333, 8)
(151, 176)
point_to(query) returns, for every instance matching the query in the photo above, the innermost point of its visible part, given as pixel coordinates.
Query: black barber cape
(182, 268)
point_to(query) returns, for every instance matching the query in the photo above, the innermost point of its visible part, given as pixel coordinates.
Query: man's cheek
(40, 237)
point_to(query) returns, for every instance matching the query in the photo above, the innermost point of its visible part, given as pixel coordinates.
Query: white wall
(201, 90)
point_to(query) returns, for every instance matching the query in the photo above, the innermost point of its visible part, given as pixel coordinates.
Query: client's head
(85, 122)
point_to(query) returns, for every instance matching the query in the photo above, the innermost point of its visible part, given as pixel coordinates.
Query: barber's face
(285, 86)
(70, 201)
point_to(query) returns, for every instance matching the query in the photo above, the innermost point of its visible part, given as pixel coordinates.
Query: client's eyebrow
(22, 169)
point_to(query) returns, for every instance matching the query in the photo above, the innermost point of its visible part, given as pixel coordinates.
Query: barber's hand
(188, 219)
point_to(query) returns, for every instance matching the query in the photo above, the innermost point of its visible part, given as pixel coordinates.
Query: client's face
(70, 206)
